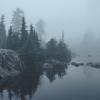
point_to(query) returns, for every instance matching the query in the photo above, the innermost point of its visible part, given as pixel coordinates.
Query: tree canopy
(28, 43)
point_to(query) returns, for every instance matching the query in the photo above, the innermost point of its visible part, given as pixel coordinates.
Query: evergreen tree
(30, 52)
(36, 47)
(34, 38)
(9, 39)
(2, 33)
(24, 33)
(31, 45)
(16, 42)
(13, 41)
(64, 54)
(58, 51)
(17, 20)
(51, 49)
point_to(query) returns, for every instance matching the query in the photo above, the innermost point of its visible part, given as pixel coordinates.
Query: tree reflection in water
(59, 70)
(27, 83)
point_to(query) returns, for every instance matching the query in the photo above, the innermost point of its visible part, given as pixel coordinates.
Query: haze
(75, 17)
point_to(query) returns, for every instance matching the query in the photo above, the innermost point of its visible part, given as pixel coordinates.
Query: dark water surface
(59, 83)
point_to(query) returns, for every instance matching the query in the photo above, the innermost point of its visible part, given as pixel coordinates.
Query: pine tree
(9, 39)
(17, 20)
(34, 38)
(31, 46)
(2, 33)
(24, 33)
(58, 51)
(32, 52)
(13, 41)
(64, 54)
(51, 49)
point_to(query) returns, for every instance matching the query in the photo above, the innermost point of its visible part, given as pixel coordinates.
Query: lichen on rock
(10, 63)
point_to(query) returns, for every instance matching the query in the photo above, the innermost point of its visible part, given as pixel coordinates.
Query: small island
(23, 50)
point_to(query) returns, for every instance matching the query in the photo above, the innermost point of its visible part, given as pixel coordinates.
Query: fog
(74, 17)
(49, 49)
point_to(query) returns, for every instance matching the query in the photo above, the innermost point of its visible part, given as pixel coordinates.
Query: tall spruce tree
(24, 33)
(34, 38)
(64, 54)
(30, 52)
(9, 39)
(2, 33)
(31, 45)
(13, 41)
(17, 21)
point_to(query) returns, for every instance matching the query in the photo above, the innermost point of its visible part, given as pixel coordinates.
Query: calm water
(59, 83)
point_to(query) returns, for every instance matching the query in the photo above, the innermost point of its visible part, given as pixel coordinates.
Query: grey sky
(72, 16)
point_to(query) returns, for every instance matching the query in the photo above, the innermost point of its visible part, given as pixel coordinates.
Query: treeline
(29, 46)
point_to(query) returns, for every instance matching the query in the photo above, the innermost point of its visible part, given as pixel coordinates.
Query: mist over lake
(49, 50)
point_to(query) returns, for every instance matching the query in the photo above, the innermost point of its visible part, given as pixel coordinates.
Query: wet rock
(95, 65)
(10, 64)
(77, 64)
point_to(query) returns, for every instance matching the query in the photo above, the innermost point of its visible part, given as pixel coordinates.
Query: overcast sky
(72, 16)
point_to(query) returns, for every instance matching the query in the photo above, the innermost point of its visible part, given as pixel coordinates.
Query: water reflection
(23, 85)
(59, 70)
(28, 82)
(78, 82)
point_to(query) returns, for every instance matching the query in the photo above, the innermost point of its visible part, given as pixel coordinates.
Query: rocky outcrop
(49, 64)
(77, 64)
(95, 65)
(10, 64)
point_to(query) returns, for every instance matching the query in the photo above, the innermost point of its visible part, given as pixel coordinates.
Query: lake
(59, 83)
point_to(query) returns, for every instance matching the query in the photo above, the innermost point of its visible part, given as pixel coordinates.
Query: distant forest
(28, 43)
